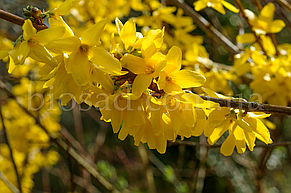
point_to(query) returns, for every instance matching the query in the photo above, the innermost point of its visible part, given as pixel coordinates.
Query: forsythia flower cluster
(139, 84)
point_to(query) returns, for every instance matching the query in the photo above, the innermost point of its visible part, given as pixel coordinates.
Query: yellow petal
(60, 22)
(119, 25)
(216, 117)
(135, 64)
(133, 115)
(65, 7)
(262, 132)
(250, 140)
(81, 69)
(267, 13)
(199, 5)
(116, 118)
(244, 125)
(128, 34)
(148, 48)
(11, 65)
(91, 36)
(176, 117)
(276, 26)
(23, 52)
(43, 54)
(141, 83)
(161, 143)
(188, 78)
(102, 78)
(218, 132)
(65, 44)
(199, 127)
(106, 61)
(174, 59)
(156, 118)
(228, 146)
(218, 7)
(192, 98)
(230, 7)
(268, 45)
(240, 146)
(3, 54)
(47, 35)
(238, 133)
(246, 38)
(211, 93)
(28, 29)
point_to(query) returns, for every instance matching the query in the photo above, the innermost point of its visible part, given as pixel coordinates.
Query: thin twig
(10, 149)
(284, 4)
(258, 4)
(80, 135)
(207, 27)
(70, 167)
(10, 185)
(249, 106)
(197, 144)
(202, 168)
(147, 168)
(18, 20)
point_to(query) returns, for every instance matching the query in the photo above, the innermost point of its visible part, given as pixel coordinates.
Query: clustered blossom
(140, 81)
(137, 88)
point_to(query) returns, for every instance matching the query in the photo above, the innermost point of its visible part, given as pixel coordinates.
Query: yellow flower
(264, 23)
(33, 41)
(215, 4)
(172, 79)
(64, 8)
(147, 67)
(85, 54)
(243, 128)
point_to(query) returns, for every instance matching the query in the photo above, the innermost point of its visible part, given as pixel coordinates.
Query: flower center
(84, 49)
(149, 70)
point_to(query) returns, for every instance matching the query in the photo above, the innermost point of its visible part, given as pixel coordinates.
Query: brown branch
(18, 20)
(249, 106)
(10, 149)
(207, 27)
(197, 144)
(147, 169)
(284, 4)
(258, 4)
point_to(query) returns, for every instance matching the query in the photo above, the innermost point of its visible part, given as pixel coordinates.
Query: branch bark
(18, 20)
(250, 106)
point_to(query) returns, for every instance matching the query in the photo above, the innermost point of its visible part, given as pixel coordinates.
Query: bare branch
(18, 20)
(249, 106)
(284, 4)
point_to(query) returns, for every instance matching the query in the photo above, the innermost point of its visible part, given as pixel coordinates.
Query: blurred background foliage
(183, 168)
